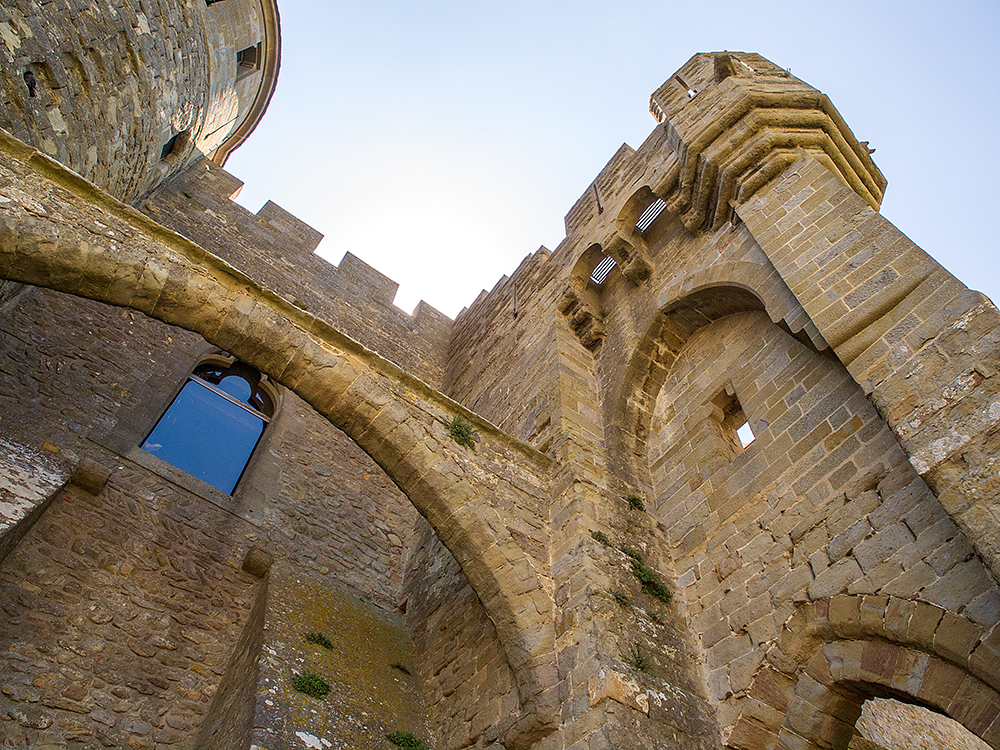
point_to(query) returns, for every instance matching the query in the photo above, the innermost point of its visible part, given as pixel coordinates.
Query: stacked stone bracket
(59, 231)
(739, 124)
(736, 123)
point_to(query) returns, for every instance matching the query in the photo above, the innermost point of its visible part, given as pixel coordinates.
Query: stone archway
(60, 232)
(647, 367)
(835, 653)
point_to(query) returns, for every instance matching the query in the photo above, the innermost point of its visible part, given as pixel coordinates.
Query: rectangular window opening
(650, 215)
(734, 427)
(247, 61)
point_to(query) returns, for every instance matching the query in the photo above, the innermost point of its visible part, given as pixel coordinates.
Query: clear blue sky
(441, 142)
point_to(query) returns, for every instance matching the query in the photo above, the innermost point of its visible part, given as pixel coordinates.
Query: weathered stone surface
(603, 561)
(105, 94)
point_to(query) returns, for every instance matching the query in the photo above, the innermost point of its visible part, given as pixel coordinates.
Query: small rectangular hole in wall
(690, 91)
(247, 61)
(734, 427)
(175, 147)
(169, 146)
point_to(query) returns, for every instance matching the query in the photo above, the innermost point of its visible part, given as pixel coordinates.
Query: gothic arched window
(215, 422)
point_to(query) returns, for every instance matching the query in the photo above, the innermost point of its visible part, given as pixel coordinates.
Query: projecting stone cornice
(736, 121)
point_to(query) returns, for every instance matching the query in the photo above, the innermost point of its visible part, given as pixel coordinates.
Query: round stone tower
(127, 92)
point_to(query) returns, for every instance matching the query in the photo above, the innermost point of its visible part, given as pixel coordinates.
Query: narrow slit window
(169, 146)
(733, 426)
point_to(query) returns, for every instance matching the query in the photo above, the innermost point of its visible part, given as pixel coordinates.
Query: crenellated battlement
(276, 248)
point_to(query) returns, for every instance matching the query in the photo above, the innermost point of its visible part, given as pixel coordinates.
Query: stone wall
(119, 613)
(99, 378)
(513, 325)
(467, 680)
(366, 661)
(230, 717)
(105, 91)
(822, 502)
(94, 107)
(29, 480)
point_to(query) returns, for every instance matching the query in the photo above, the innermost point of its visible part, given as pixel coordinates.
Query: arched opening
(913, 700)
(582, 302)
(851, 671)
(392, 416)
(640, 211)
(891, 724)
(652, 361)
(215, 422)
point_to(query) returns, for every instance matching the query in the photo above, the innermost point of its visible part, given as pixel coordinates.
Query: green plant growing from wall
(635, 659)
(400, 667)
(651, 582)
(654, 617)
(632, 552)
(622, 598)
(320, 639)
(600, 536)
(407, 741)
(311, 684)
(635, 502)
(462, 432)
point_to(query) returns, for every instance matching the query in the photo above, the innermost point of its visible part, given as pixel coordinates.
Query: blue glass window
(212, 427)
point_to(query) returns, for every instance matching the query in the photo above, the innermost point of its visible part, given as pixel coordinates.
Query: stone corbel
(631, 253)
(581, 309)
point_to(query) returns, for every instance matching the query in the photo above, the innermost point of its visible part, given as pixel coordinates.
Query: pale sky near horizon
(442, 142)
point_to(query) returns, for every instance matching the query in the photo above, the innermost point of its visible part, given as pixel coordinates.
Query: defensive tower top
(736, 120)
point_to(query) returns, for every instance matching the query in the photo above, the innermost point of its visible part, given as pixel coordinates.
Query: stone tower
(124, 93)
(581, 549)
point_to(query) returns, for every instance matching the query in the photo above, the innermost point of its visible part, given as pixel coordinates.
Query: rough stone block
(90, 476)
